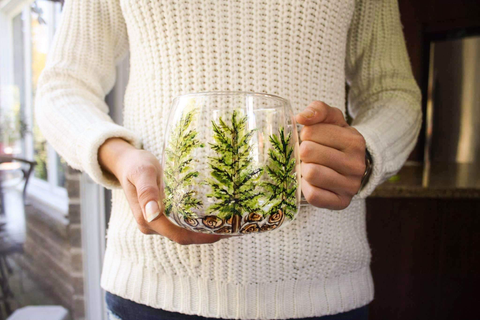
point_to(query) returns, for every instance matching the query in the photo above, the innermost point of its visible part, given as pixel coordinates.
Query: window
(32, 26)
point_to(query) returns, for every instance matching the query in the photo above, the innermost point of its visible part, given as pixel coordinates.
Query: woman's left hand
(333, 157)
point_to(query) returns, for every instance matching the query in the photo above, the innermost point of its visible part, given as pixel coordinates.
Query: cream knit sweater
(302, 50)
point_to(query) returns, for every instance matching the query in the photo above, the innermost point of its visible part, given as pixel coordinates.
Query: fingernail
(308, 113)
(152, 210)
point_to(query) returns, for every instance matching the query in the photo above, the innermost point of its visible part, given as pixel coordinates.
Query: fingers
(328, 179)
(340, 138)
(333, 157)
(161, 224)
(320, 112)
(323, 198)
(146, 183)
(347, 165)
(144, 189)
(166, 228)
(132, 198)
(311, 152)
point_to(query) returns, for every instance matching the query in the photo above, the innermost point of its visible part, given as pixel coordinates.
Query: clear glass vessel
(231, 163)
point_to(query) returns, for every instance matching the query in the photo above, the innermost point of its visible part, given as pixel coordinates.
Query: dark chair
(9, 246)
(26, 171)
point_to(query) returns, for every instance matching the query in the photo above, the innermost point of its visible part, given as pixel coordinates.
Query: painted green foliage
(280, 169)
(179, 172)
(235, 181)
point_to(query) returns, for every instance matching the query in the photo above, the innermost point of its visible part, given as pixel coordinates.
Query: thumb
(320, 112)
(148, 194)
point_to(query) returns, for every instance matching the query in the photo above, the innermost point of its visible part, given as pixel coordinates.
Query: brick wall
(53, 249)
(75, 242)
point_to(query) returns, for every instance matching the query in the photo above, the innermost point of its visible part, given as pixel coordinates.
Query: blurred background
(422, 224)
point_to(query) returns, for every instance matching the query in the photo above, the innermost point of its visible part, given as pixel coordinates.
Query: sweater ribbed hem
(208, 298)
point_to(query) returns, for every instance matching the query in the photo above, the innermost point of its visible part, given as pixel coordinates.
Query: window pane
(40, 44)
(12, 123)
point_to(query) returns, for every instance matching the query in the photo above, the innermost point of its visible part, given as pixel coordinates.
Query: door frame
(93, 218)
(95, 208)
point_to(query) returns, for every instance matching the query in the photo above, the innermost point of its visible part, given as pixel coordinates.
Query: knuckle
(306, 149)
(356, 142)
(353, 188)
(358, 168)
(338, 112)
(312, 197)
(306, 133)
(142, 224)
(144, 230)
(306, 193)
(309, 171)
(344, 202)
(146, 191)
(315, 200)
(147, 169)
(356, 186)
(309, 196)
(317, 104)
(360, 141)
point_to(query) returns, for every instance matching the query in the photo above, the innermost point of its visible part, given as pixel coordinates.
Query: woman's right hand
(140, 175)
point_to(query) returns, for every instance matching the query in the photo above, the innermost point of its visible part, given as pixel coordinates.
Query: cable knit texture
(300, 50)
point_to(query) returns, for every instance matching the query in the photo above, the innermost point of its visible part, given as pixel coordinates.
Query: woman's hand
(333, 157)
(140, 174)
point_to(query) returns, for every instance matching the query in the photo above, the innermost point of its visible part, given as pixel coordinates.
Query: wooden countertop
(441, 180)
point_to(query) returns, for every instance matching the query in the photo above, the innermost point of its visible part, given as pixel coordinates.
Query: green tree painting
(179, 172)
(281, 170)
(234, 183)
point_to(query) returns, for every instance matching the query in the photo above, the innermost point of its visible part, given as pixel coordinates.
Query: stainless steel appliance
(455, 101)
(453, 109)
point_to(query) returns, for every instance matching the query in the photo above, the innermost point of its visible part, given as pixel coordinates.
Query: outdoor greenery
(281, 170)
(12, 126)
(179, 173)
(40, 153)
(234, 183)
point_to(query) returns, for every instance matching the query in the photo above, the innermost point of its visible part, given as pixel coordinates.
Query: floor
(26, 291)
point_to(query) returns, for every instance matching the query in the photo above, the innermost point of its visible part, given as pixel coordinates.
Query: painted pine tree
(234, 183)
(281, 170)
(179, 173)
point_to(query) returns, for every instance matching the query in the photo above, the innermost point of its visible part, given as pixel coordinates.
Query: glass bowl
(231, 163)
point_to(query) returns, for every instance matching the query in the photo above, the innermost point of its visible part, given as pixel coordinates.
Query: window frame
(47, 192)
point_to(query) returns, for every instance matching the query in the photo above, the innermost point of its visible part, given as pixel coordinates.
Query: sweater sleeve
(384, 99)
(80, 70)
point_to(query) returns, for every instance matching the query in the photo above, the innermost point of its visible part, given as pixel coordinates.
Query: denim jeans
(123, 309)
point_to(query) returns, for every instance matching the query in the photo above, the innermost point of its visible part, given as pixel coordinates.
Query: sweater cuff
(374, 147)
(89, 142)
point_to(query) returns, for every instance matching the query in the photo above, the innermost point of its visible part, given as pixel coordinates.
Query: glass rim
(244, 93)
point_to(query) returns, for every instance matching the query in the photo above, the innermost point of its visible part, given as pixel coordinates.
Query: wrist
(111, 153)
